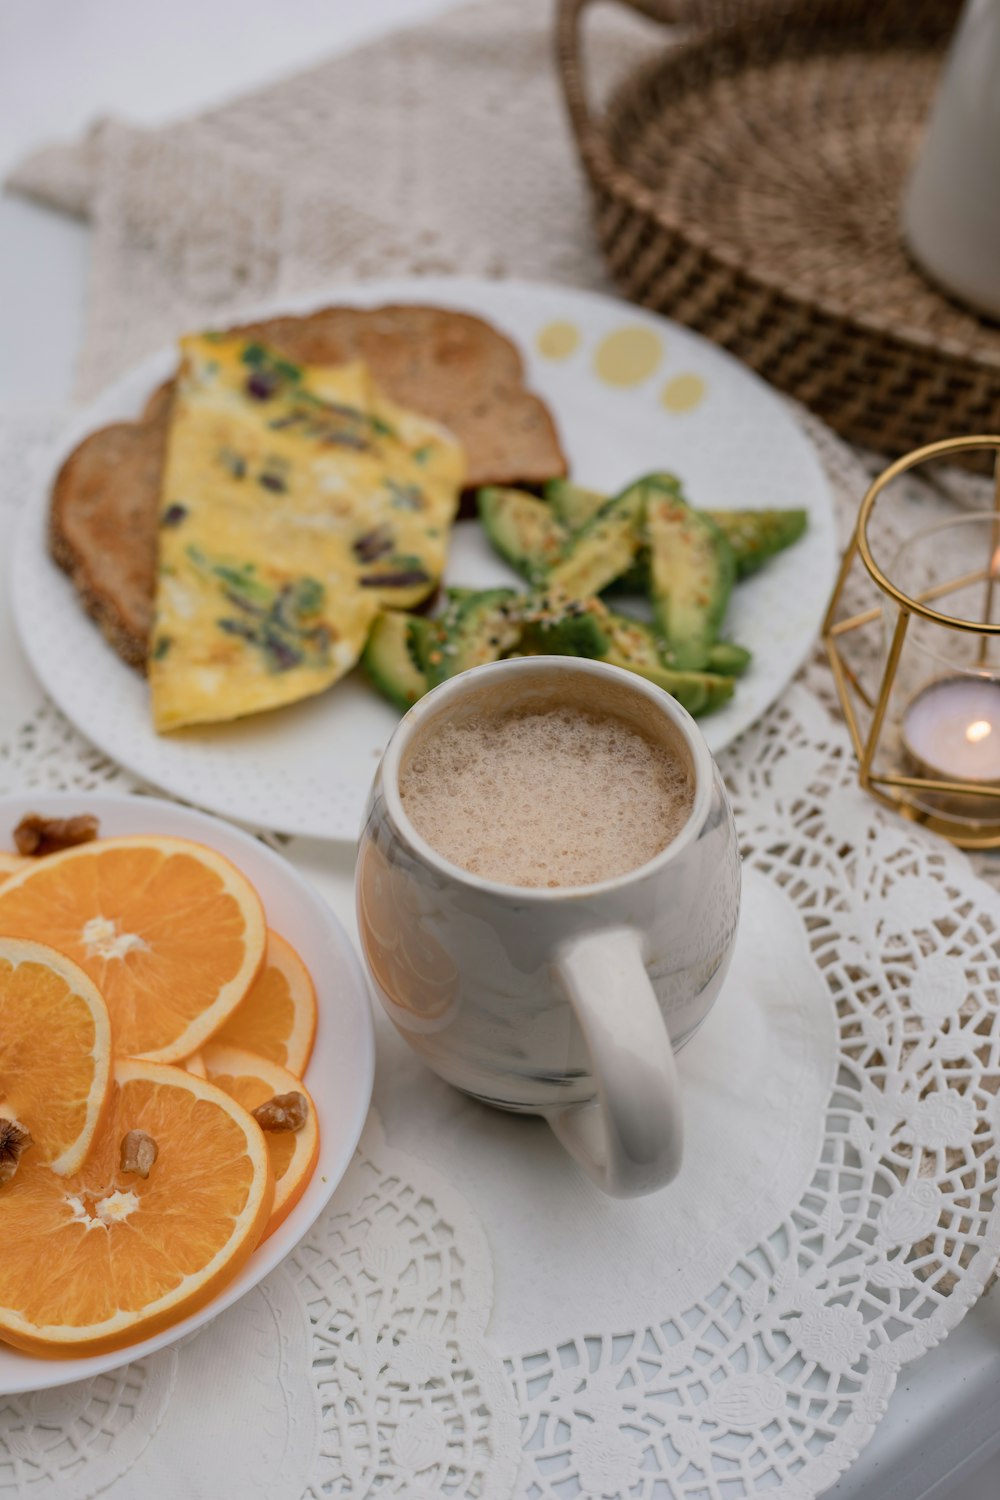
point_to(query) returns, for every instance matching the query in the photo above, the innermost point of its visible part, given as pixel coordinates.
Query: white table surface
(61, 63)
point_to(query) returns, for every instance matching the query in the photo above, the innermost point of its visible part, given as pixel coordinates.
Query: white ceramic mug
(566, 1002)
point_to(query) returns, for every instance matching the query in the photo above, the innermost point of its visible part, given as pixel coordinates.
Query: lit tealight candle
(952, 728)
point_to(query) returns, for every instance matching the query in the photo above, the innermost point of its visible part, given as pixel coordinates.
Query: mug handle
(629, 1141)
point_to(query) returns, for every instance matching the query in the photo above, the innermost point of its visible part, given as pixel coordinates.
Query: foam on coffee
(558, 797)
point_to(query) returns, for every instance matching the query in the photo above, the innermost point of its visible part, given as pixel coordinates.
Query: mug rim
(455, 687)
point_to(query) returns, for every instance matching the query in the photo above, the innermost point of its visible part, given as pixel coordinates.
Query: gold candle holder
(926, 728)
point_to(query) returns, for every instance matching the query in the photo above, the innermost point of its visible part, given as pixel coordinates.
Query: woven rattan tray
(747, 182)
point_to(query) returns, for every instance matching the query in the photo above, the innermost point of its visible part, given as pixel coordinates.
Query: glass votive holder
(925, 721)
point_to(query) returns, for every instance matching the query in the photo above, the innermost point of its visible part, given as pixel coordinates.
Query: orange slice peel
(106, 1257)
(11, 864)
(277, 1019)
(55, 1057)
(171, 932)
(254, 1080)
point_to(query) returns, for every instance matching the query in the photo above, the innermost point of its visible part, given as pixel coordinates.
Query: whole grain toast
(102, 524)
(450, 366)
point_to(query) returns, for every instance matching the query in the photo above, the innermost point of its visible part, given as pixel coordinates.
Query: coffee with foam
(554, 796)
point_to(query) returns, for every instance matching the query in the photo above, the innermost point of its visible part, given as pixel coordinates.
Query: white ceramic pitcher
(951, 209)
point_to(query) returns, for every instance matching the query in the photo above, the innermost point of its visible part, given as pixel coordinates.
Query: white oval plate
(306, 769)
(340, 1072)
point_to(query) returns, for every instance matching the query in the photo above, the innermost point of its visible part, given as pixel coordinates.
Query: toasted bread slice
(102, 524)
(449, 366)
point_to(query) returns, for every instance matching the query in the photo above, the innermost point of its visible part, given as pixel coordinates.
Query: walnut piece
(139, 1151)
(14, 1141)
(283, 1112)
(36, 835)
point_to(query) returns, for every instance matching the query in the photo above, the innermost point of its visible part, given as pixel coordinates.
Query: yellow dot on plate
(558, 340)
(683, 393)
(628, 355)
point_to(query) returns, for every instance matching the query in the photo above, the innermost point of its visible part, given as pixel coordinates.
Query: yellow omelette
(297, 502)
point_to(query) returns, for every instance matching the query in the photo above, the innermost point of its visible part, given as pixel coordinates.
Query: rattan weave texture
(747, 182)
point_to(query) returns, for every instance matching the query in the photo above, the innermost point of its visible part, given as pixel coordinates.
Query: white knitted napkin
(441, 148)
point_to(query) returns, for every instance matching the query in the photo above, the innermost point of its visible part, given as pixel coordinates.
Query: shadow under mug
(567, 1002)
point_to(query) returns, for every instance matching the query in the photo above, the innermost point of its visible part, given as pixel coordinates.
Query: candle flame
(978, 731)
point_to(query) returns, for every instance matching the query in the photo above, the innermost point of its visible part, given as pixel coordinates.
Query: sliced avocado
(728, 659)
(632, 644)
(756, 535)
(475, 628)
(428, 633)
(389, 659)
(636, 580)
(662, 482)
(692, 572)
(573, 629)
(426, 637)
(578, 508)
(524, 530)
(573, 505)
(604, 548)
(700, 693)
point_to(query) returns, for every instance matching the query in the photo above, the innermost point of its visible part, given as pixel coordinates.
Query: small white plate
(687, 406)
(340, 1072)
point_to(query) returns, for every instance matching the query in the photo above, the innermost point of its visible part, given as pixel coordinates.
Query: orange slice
(55, 1053)
(170, 932)
(252, 1080)
(277, 1020)
(11, 864)
(195, 1064)
(106, 1257)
